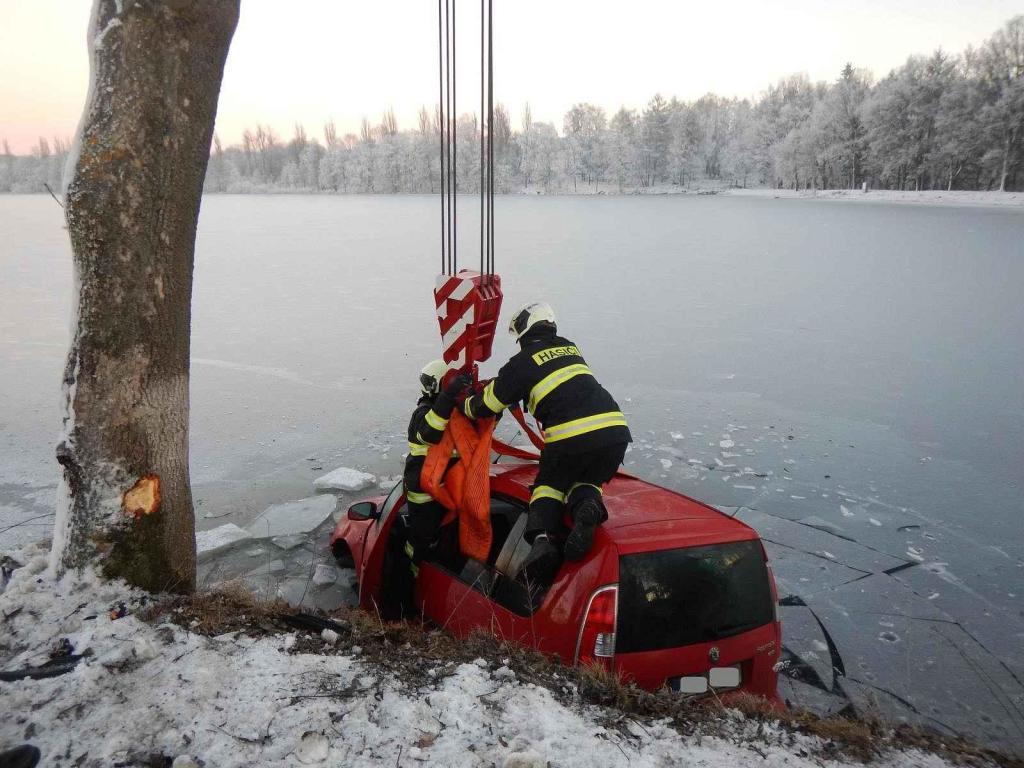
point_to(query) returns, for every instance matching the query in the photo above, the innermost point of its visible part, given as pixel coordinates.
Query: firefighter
(424, 514)
(585, 437)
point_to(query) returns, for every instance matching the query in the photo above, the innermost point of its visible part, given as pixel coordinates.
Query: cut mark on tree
(143, 498)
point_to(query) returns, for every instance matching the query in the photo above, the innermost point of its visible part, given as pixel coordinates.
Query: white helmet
(528, 316)
(431, 375)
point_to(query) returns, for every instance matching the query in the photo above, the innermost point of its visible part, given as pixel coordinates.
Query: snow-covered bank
(148, 693)
(928, 197)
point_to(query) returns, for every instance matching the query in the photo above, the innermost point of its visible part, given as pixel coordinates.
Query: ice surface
(300, 516)
(20, 525)
(209, 543)
(261, 403)
(808, 538)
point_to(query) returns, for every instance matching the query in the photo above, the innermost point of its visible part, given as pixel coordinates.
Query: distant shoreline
(926, 197)
(994, 199)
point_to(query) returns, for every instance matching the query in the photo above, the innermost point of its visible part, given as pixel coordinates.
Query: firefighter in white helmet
(585, 437)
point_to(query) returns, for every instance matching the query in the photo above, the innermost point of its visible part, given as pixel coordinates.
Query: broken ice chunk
(210, 542)
(324, 574)
(290, 540)
(274, 566)
(299, 516)
(344, 479)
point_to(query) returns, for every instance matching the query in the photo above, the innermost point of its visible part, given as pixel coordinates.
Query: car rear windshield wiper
(734, 629)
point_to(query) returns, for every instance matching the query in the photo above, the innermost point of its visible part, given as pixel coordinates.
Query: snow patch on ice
(344, 479)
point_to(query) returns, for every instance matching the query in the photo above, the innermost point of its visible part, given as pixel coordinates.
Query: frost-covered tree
(837, 118)
(131, 206)
(655, 137)
(542, 150)
(585, 127)
(939, 121)
(901, 120)
(623, 150)
(1001, 64)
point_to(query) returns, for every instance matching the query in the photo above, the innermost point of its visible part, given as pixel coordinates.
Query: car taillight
(771, 582)
(597, 633)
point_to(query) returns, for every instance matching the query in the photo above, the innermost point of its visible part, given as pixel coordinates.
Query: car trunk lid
(684, 611)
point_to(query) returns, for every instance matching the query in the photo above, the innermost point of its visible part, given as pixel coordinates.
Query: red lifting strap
(504, 449)
(465, 488)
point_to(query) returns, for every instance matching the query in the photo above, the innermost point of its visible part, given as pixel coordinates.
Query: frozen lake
(846, 378)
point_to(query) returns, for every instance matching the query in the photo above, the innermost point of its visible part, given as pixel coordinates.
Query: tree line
(942, 121)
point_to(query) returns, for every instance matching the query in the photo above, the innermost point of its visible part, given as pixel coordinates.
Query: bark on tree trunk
(1006, 163)
(131, 206)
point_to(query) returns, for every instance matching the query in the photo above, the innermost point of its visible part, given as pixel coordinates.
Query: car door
(479, 597)
(376, 542)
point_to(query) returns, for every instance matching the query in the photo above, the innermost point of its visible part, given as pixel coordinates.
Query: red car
(673, 592)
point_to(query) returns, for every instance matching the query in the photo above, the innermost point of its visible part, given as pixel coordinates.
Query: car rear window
(676, 597)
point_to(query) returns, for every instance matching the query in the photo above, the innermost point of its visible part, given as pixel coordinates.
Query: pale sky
(312, 60)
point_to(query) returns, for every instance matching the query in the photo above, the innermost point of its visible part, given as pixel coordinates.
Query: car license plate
(718, 678)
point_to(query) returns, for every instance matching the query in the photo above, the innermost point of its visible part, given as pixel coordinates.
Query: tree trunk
(132, 205)
(1006, 163)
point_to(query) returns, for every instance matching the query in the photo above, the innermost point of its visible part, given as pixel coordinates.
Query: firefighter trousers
(566, 479)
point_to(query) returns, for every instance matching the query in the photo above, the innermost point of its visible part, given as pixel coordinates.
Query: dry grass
(421, 656)
(230, 607)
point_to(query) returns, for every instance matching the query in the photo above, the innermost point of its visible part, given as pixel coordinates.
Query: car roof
(638, 509)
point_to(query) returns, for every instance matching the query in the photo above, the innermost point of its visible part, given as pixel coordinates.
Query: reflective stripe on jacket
(550, 375)
(426, 427)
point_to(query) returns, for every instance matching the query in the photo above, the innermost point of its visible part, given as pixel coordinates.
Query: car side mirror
(363, 510)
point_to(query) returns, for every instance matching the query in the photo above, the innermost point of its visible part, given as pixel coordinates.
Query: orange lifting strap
(465, 489)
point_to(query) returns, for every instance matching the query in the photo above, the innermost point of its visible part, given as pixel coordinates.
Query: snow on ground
(932, 197)
(143, 692)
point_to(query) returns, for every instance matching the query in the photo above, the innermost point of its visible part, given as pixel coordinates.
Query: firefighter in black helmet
(585, 437)
(424, 515)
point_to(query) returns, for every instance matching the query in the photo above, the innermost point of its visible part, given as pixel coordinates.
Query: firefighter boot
(587, 516)
(25, 756)
(541, 565)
